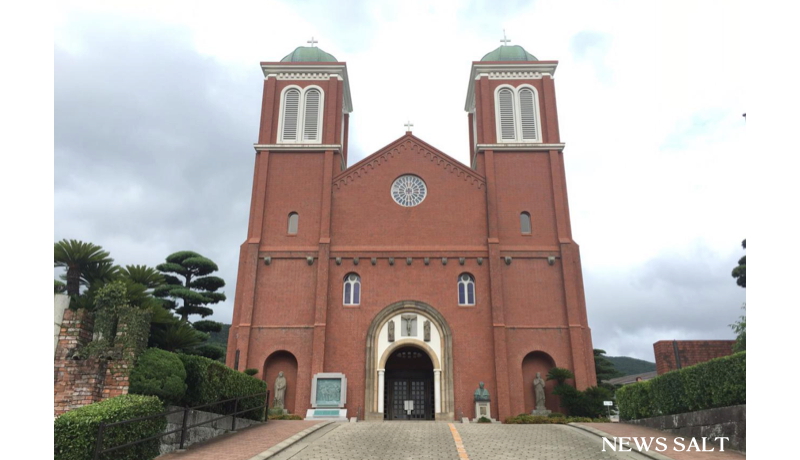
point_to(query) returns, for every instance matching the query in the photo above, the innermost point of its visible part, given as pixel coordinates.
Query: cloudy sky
(157, 109)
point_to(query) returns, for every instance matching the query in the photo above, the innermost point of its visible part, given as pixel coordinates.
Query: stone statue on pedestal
(538, 392)
(483, 407)
(280, 391)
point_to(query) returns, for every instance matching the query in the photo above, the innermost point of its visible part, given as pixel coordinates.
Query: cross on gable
(505, 40)
(408, 126)
(312, 41)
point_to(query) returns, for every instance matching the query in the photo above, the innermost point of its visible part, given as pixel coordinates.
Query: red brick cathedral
(414, 275)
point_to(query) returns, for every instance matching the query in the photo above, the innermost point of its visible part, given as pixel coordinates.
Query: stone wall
(172, 441)
(727, 422)
(78, 382)
(677, 354)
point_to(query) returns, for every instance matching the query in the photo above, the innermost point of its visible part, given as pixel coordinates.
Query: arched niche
(439, 349)
(538, 361)
(284, 361)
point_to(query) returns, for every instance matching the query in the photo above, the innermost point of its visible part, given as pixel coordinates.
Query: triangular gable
(409, 145)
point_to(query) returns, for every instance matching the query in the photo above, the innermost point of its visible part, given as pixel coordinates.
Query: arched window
(466, 289)
(527, 110)
(311, 124)
(301, 115)
(294, 220)
(517, 114)
(506, 114)
(525, 223)
(291, 112)
(352, 289)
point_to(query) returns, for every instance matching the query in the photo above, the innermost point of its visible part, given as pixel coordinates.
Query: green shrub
(251, 371)
(159, 373)
(484, 420)
(210, 381)
(528, 419)
(720, 382)
(555, 414)
(75, 432)
(285, 417)
(588, 403)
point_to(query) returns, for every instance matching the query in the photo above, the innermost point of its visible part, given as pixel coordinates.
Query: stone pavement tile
(244, 444)
(624, 429)
(383, 440)
(523, 442)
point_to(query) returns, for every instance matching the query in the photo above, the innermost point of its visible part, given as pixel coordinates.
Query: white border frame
(466, 293)
(329, 375)
(301, 114)
(518, 139)
(360, 291)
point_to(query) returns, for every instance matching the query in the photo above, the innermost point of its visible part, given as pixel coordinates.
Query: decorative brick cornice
(409, 144)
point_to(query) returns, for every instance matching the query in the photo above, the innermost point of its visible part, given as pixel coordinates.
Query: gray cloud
(153, 146)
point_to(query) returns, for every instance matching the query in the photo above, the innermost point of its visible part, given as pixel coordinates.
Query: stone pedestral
(483, 409)
(543, 413)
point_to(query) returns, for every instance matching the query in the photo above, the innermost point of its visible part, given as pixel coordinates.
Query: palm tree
(78, 257)
(148, 277)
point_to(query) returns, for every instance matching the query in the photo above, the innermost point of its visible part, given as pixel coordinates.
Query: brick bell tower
(302, 144)
(538, 300)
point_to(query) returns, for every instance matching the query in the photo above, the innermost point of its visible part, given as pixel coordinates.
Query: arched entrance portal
(418, 329)
(408, 391)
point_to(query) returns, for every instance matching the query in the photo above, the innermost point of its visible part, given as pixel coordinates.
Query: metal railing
(99, 450)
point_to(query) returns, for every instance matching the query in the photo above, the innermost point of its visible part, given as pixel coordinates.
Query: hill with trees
(630, 366)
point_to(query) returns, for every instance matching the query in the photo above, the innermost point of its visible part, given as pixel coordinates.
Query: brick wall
(78, 382)
(677, 354)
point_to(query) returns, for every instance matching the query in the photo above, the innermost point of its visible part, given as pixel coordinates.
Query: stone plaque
(329, 392)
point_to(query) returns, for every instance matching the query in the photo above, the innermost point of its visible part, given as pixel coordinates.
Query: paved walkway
(624, 429)
(243, 445)
(453, 441)
(431, 441)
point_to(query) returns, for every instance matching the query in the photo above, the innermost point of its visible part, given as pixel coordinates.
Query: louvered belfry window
(517, 115)
(527, 109)
(311, 116)
(301, 116)
(506, 110)
(291, 112)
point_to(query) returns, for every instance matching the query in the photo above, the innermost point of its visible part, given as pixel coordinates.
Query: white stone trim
(297, 147)
(515, 70)
(520, 147)
(310, 72)
(381, 376)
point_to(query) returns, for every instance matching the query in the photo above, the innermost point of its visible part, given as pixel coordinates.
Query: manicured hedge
(210, 381)
(528, 419)
(159, 373)
(76, 431)
(720, 382)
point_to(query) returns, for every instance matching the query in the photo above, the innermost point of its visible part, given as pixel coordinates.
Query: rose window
(409, 190)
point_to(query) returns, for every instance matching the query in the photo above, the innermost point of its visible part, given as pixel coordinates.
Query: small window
(352, 289)
(294, 220)
(466, 289)
(525, 223)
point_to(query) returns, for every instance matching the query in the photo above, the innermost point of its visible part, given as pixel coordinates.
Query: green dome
(308, 54)
(509, 53)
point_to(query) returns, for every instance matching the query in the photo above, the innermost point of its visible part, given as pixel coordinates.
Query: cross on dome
(313, 42)
(505, 40)
(408, 126)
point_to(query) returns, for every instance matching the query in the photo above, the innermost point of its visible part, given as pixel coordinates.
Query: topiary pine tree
(193, 288)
